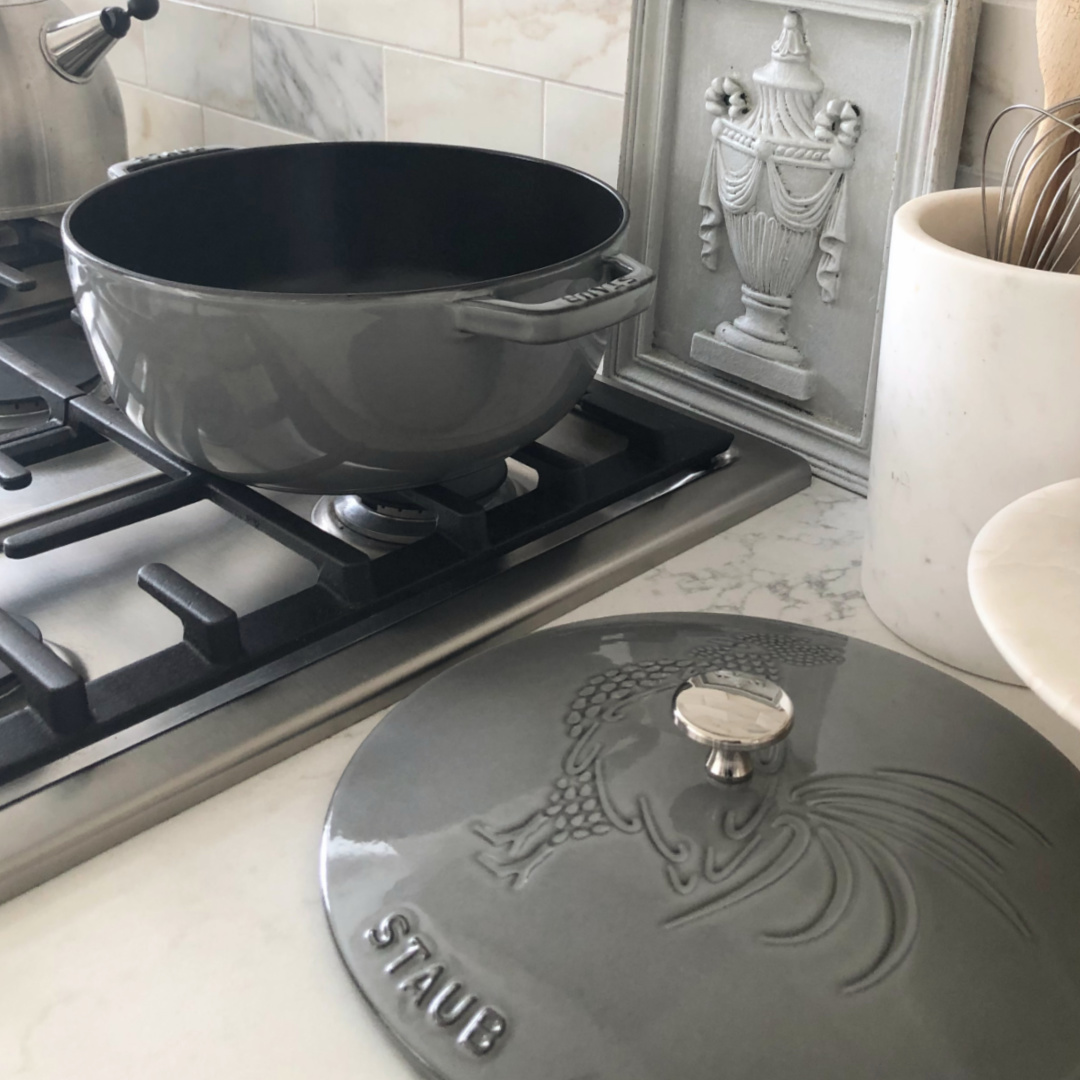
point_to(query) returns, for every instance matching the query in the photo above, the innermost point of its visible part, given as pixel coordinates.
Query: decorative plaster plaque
(765, 152)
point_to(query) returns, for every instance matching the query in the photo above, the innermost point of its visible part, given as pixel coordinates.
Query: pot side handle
(147, 161)
(629, 293)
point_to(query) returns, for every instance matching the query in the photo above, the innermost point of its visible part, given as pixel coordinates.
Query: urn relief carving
(776, 179)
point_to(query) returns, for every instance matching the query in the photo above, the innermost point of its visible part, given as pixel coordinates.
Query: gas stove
(165, 633)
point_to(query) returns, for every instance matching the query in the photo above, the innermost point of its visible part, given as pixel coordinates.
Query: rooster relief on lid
(776, 177)
(850, 858)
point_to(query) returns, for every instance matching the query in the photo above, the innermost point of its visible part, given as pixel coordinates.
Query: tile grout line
(543, 118)
(385, 96)
(460, 58)
(251, 56)
(492, 70)
(257, 123)
(167, 96)
(543, 82)
(202, 107)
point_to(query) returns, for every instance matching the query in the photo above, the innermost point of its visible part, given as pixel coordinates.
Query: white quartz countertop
(199, 949)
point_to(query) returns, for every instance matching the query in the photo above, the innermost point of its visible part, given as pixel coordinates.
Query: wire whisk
(1037, 223)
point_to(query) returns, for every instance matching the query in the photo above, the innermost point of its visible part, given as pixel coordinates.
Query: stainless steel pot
(350, 317)
(63, 119)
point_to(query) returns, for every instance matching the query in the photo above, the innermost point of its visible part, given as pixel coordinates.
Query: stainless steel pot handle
(132, 165)
(629, 293)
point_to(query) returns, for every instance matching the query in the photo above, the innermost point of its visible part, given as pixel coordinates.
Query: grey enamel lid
(533, 871)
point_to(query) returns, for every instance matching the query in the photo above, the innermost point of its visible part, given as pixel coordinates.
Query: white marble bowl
(1024, 573)
(976, 406)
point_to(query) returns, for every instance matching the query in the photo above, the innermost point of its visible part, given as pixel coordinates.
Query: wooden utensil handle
(1057, 30)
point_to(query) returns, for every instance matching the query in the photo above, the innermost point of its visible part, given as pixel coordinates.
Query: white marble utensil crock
(977, 398)
(1024, 574)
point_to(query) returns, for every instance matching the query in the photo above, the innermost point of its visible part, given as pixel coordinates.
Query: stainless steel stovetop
(138, 758)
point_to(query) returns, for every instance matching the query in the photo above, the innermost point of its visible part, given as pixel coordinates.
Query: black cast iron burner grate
(63, 711)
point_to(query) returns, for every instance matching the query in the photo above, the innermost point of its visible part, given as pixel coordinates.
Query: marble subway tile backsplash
(525, 76)
(583, 128)
(428, 25)
(429, 100)
(301, 12)
(317, 84)
(156, 122)
(1006, 71)
(531, 76)
(223, 129)
(583, 42)
(201, 55)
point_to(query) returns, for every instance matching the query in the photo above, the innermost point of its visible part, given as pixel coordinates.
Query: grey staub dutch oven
(710, 847)
(350, 317)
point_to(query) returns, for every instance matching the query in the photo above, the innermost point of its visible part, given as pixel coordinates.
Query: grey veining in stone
(316, 84)
(801, 564)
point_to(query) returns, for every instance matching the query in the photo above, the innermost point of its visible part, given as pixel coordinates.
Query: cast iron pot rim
(73, 247)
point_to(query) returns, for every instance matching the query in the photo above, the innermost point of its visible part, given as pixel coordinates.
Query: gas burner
(339, 623)
(372, 517)
(63, 352)
(394, 518)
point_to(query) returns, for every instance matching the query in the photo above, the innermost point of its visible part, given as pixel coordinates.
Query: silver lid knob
(735, 714)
